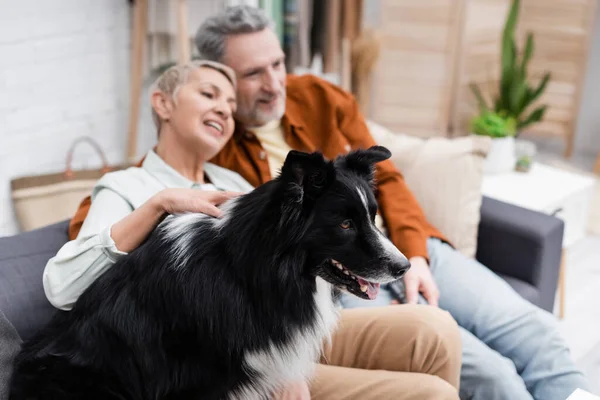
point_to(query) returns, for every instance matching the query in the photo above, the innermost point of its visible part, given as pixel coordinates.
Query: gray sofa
(522, 246)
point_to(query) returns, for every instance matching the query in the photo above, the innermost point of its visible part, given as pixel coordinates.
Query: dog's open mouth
(353, 283)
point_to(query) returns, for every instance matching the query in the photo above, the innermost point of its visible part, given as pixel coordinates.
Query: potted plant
(502, 129)
(509, 113)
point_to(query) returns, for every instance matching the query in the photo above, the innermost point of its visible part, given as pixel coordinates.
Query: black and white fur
(230, 308)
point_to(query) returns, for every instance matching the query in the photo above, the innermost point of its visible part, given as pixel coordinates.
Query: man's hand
(419, 279)
(295, 391)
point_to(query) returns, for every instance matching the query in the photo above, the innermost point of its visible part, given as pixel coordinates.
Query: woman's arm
(112, 229)
(79, 262)
(131, 231)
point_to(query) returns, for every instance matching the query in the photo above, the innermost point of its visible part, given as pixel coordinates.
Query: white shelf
(549, 190)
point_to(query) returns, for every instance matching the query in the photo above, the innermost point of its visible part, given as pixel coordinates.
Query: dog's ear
(363, 161)
(310, 172)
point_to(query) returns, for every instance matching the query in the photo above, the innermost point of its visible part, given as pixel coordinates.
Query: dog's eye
(347, 224)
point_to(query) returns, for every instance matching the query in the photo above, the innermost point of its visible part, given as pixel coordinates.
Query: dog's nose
(399, 267)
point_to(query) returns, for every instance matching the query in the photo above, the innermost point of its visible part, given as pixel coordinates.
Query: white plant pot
(502, 156)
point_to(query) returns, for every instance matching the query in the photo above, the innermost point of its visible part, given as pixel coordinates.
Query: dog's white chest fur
(295, 361)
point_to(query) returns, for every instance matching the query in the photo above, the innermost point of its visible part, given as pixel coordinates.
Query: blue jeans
(511, 348)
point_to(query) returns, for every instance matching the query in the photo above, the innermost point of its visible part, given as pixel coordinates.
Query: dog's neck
(268, 258)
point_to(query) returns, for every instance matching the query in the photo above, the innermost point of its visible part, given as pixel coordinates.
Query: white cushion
(445, 176)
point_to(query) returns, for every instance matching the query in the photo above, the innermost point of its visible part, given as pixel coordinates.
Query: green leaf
(517, 97)
(493, 124)
(528, 94)
(508, 55)
(508, 77)
(480, 100)
(527, 54)
(498, 102)
(540, 89)
(535, 116)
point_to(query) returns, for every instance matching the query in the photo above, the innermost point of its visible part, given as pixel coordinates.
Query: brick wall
(64, 73)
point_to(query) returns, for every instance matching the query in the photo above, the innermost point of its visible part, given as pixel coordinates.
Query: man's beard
(259, 117)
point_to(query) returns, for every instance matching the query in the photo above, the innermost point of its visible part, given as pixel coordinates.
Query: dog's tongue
(372, 288)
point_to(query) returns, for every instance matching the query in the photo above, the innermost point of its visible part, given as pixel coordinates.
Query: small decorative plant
(491, 123)
(515, 94)
(523, 163)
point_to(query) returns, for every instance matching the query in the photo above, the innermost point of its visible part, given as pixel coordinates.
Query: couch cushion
(22, 261)
(445, 176)
(10, 344)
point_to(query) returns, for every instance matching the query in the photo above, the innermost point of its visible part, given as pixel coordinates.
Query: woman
(192, 109)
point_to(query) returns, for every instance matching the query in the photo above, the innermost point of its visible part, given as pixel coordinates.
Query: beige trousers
(395, 352)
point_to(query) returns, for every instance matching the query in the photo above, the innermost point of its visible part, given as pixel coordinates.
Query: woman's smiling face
(201, 110)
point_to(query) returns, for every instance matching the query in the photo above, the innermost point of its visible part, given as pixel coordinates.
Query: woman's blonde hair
(173, 78)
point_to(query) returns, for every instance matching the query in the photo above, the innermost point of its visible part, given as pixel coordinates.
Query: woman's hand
(295, 391)
(174, 201)
(132, 230)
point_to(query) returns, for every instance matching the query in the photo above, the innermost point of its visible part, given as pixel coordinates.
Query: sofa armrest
(523, 244)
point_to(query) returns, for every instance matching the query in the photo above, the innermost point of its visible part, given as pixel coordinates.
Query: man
(411, 352)
(511, 349)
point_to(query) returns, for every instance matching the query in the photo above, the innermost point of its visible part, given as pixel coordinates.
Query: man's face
(258, 61)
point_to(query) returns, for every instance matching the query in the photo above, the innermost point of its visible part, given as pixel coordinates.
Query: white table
(549, 190)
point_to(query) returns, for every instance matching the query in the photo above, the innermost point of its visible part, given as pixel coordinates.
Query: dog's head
(334, 203)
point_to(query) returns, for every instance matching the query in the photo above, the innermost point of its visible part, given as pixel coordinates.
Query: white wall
(587, 137)
(64, 73)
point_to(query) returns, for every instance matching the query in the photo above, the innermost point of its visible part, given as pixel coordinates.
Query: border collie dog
(222, 308)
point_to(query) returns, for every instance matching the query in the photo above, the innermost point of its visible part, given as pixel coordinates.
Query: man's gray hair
(212, 34)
